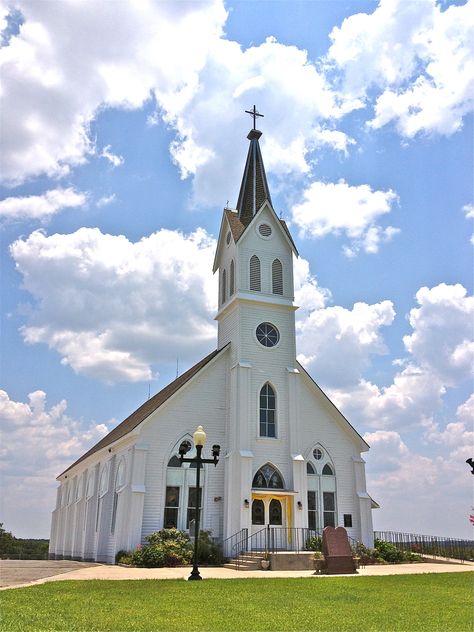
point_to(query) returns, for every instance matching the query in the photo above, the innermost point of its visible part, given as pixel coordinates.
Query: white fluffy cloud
(442, 332)
(413, 395)
(440, 350)
(111, 307)
(335, 343)
(342, 208)
(37, 444)
(175, 52)
(54, 85)
(41, 206)
(433, 487)
(419, 56)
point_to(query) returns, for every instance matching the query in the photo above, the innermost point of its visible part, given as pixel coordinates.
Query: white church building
(289, 459)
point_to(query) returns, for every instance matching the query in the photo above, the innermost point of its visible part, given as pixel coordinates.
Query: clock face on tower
(267, 335)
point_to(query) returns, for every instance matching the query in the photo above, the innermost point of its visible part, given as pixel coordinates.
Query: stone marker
(337, 552)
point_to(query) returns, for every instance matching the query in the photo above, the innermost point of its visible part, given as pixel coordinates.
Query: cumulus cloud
(442, 332)
(111, 307)
(404, 481)
(130, 51)
(336, 344)
(440, 349)
(351, 210)
(41, 206)
(469, 211)
(419, 56)
(38, 442)
(413, 395)
(46, 63)
(105, 200)
(114, 159)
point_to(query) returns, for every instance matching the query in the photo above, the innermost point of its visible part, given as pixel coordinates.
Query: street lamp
(199, 438)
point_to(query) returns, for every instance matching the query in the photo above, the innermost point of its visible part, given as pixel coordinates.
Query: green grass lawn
(403, 602)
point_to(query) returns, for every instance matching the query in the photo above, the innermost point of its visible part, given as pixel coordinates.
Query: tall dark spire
(254, 188)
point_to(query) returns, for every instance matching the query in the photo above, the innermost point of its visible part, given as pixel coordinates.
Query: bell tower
(256, 315)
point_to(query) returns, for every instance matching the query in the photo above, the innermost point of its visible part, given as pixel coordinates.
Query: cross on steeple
(253, 113)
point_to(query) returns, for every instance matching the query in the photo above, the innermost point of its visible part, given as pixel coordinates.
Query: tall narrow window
(171, 508)
(232, 278)
(267, 411)
(192, 505)
(313, 522)
(277, 277)
(255, 284)
(223, 288)
(329, 506)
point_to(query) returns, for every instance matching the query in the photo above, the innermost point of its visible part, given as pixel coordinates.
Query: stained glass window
(267, 477)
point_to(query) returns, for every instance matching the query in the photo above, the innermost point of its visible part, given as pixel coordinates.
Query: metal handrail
(429, 545)
(270, 540)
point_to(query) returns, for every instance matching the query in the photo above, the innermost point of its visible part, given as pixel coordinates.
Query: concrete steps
(281, 561)
(245, 562)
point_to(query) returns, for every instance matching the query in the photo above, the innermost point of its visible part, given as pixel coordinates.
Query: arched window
(223, 288)
(277, 277)
(89, 495)
(322, 508)
(258, 512)
(232, 278)
(254, 269)
(267, 411)
(180, 493)
(119, 483)
(103, 488)
(267, 477)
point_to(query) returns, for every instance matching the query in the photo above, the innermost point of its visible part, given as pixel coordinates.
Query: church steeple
(254, 188)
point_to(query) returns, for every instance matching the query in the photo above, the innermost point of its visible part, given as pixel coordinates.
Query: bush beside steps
(171, 548)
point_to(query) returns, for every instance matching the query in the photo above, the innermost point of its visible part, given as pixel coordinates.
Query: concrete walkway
(19, 574)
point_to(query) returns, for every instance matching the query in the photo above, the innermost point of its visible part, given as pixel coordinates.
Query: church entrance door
(271, 513)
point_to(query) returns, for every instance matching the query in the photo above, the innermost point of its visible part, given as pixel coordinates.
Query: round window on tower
(267, 335)
(265, 230)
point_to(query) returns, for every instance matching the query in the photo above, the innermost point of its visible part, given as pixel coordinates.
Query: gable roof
(146, 409)
(351, 427)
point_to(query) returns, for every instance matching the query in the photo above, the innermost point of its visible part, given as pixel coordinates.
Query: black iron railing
(243, 546)
(429, 545)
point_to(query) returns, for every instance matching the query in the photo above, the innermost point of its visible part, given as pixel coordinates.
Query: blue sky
(124, 136)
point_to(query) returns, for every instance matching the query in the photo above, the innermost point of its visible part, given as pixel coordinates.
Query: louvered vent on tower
(232, 278)
(223, 288)
(277, 277)
(255, 284)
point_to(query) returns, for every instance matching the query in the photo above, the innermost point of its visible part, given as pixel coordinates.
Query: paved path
(26, 573)
(14, 572)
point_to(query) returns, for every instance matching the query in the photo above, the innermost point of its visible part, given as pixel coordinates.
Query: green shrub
(208, 551)
(390, 553)
(168, 547)
(123, 557)
(314, 543)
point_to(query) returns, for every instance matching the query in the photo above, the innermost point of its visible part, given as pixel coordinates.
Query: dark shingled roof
(254, 188)
(146, 409)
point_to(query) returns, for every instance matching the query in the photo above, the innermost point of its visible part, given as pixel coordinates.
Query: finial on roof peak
(253, 113)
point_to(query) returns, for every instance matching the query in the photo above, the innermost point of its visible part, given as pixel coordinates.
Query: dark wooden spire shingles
(254, 188)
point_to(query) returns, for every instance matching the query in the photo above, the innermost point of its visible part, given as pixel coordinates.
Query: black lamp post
(199, 438)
